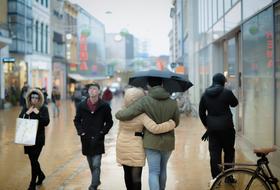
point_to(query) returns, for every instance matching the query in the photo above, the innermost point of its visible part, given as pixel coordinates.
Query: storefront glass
(231, 72)
(277, 71)
(14, 77)
(233, 17)
(59, 75)
(252, 6)
(40, 78)
(203, 69)
(258, 83)
(218, 29)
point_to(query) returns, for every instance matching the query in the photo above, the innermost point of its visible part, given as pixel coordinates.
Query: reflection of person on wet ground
(129, 147)
(93, 121)
(158, 147)
(35, 109)
(215, 114)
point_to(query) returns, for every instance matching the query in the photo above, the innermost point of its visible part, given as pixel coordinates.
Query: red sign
(269, 49)
(83, 53)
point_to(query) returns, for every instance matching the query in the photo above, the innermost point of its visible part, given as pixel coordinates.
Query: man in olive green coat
(158, 147)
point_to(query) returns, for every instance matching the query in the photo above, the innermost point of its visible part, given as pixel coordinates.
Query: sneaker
(230, 180)
(211, 182)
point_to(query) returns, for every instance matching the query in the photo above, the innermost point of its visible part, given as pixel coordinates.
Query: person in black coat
(35, 109)
(216, 116)
(93, 121)
(23, 94)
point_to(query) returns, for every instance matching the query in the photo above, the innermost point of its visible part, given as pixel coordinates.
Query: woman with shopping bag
(35, 109)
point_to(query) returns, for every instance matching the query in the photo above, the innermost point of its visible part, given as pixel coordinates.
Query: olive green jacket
(160, 108)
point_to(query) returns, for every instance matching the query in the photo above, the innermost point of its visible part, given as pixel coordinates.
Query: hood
(219, 78)
(159, 93)
(41, 100)
(131, 95)
(214, 90)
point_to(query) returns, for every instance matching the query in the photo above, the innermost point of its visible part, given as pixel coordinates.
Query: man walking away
(215, 114)
(93, 121)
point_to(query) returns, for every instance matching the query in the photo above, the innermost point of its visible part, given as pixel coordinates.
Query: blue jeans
(157, 162)
(94, 163)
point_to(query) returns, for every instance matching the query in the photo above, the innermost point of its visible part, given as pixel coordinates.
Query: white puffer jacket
(129, 148)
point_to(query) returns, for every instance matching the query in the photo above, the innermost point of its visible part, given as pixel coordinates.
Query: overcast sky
(145, 19)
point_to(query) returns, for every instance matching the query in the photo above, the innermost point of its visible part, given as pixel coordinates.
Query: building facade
(90, 48)
(20, 26)
(70, 20)
(239, 38)
(5, 41)
(121, 51)
(58, 46)
(40, 65)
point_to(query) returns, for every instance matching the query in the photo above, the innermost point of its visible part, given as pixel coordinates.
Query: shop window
(47, 30)
(227, 5)
(252, 6)
(277, 71)
(220, 8)
(215, 11)
(258, 79)
(36, 36)
(42, 37)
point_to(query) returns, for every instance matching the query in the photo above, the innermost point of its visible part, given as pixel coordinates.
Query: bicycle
(246, 178)
(185, 106)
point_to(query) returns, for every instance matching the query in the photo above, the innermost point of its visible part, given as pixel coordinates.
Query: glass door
(232, 72)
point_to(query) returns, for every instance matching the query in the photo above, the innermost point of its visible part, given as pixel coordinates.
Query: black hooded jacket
(43, 118)
(214, 107)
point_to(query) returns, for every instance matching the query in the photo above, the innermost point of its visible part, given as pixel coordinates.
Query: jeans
(94, 163)
(157, 162)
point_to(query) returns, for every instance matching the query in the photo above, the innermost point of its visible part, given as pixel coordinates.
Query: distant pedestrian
(129, 147)
(107, 95)
(45, 93)
(158, 147)
(35, 109)
(23, 94)
(56, 101)
(77, 96)
(93, 121)
(216, 116)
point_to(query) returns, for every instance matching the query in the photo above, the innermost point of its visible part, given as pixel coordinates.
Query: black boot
(41, 178)
(32, 186)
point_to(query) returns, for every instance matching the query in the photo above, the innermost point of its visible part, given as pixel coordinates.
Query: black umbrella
(172, 82)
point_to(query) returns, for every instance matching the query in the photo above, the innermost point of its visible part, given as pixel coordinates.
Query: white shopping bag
(26, 130)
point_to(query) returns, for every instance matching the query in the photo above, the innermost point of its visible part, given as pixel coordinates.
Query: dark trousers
(132, 177)
(35, 165)
(221, 141)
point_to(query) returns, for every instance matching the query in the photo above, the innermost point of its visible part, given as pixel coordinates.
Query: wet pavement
(67, 169)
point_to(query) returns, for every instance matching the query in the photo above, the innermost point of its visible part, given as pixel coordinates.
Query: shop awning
(79, 77)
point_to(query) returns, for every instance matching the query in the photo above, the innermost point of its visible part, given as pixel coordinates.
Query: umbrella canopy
(172, 82)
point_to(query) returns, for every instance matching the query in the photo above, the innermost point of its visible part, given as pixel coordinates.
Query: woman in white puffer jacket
(129, 148)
